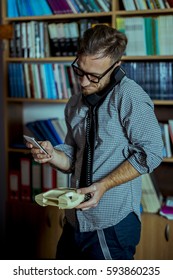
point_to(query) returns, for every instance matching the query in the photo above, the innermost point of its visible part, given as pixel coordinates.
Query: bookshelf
(18, 111)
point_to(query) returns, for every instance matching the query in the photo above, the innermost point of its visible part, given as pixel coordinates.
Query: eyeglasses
(91, 77)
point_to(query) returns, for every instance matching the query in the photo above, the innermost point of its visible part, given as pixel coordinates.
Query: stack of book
(167, 208)
(53, 130)
(151, 197)
(42, 80)
(167, 137)
(33, 178)
(147, 35)
(39, 39)
(20, 8)
(156, 78)
(132, 5)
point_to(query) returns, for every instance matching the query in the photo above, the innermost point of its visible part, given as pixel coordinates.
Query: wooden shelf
(145, 12)
(71, 58)
(45, 224)
(168, 160)
(62, 16)
(163, 102)
(148, 57)
(34, 100)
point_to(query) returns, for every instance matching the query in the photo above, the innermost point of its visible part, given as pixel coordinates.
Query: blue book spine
(15, 89)
(12, 10)
(19, 7)
(45, 7)
(23, 5)
(10, 80)
(35, 131)
(76, 6)
(53, 131)
(29, 8)
(47, 133)
(17, 80)
(37, 9)
(22, 81)
(48, 80)
(54, 94)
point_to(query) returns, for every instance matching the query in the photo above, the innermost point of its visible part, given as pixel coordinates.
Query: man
(113, 137)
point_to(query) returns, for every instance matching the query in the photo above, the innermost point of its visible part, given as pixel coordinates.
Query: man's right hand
(40, 156)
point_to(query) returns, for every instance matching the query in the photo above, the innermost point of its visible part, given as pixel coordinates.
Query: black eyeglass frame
(87, 73)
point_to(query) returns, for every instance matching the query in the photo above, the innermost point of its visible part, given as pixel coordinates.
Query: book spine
(14, 185)
(25, 169)
(36, 184)
(48, 177)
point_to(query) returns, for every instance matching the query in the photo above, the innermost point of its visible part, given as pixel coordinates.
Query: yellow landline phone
(62, 198)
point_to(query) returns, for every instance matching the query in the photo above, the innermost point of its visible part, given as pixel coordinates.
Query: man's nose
(84, 81)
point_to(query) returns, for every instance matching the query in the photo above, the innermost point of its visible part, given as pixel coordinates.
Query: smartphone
(35, 143)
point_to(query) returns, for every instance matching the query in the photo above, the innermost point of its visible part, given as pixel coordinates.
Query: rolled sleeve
(145, 147)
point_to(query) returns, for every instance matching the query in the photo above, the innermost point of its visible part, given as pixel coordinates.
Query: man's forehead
(93, 61)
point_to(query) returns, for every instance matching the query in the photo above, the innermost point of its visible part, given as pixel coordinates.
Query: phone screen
(34, 143)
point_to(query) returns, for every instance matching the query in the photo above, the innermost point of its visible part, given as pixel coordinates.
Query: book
(25, 175)
(14, 184)
(33, 128)
(149, 31)
(55, 46)
(103, 5)
(23, 27)
(32, 38)
(62, 180)
(12, 10)
(74, 37)
(129, 5)
(47, 51)
(43, 81)
(48, 81)
(150, 200)
(11, 81)
(36, 183)
(57, 78)
(68, 51)
(36, 81)
(37, 40)
(60, 127)
(68, 84)
(43, 128)
(48, 177)
(17, 34)
(170, 2)
(53, 94)
(73, 6)
(46, 10)
(53, 131)
(27, 80)
(170, 127)
(20, 80)
(63, 81)
(166, 212)
(167, 140)
(164, 152)
(61, 37)
(167, 208)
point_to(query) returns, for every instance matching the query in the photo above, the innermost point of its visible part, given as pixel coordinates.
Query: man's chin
(88, 92)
